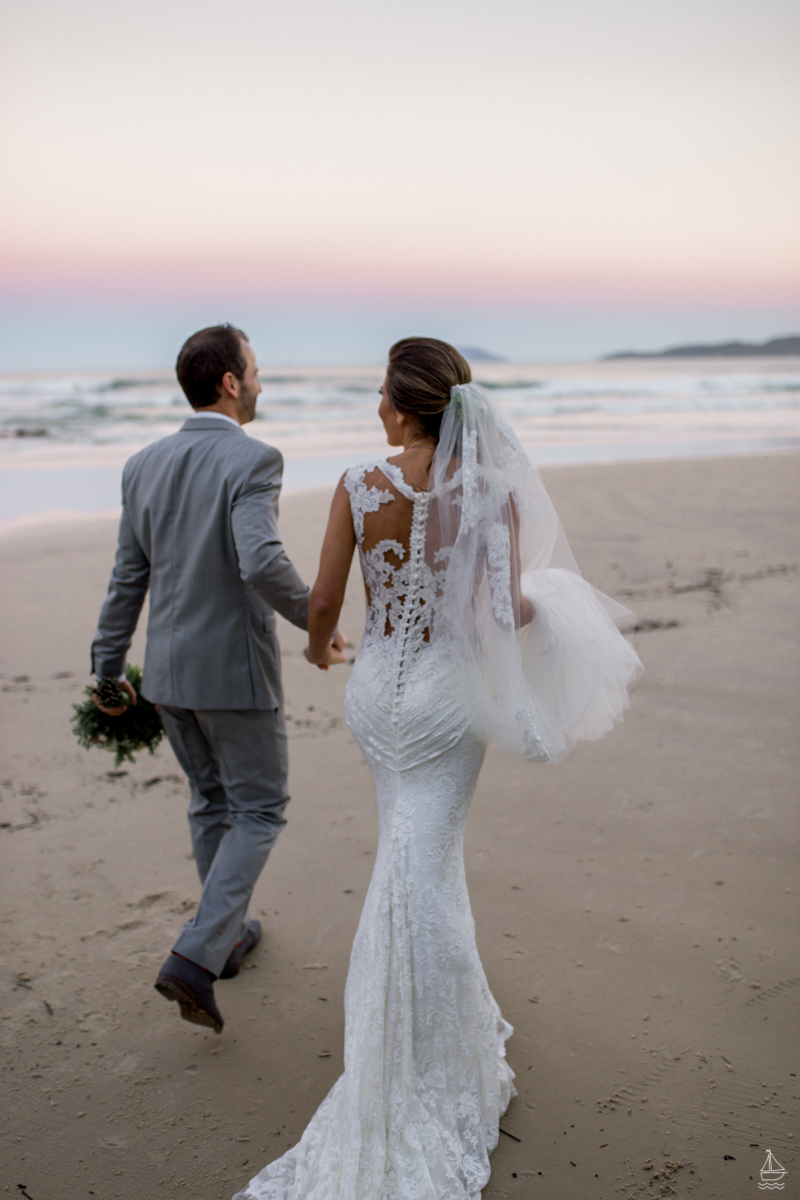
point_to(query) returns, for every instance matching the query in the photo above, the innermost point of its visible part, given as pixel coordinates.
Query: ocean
(64, 437)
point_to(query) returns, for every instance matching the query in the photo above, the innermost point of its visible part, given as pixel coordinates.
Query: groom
(198, 528)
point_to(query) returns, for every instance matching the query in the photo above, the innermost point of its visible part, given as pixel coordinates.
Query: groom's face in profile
(249, 386)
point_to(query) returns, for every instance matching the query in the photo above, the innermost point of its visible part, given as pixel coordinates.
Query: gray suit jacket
(199, 528)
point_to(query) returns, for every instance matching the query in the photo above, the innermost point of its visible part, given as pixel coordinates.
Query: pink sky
(121, 278)
(563, 151)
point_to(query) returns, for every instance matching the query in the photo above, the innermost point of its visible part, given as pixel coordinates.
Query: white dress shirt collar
(200, 412)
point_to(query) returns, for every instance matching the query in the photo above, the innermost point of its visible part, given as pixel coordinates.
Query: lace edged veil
(534, 687)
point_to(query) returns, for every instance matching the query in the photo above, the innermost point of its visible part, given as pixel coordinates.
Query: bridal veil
(493, 537)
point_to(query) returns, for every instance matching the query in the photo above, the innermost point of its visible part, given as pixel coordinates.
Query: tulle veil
(494, 537)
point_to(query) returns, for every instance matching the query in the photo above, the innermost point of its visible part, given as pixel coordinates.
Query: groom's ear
(230, 385)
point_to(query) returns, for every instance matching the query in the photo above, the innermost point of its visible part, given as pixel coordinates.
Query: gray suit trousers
(237, 764)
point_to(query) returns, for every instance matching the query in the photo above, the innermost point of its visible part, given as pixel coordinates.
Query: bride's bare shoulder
(413, 466)
(365, 476)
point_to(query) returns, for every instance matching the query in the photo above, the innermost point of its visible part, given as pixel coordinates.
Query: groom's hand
(339, 640)
(117, 712)
(330, 655)
(338, 643)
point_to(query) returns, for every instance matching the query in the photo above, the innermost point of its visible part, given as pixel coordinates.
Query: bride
(479, 628)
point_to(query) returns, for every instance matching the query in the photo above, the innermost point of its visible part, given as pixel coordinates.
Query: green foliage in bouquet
(138, 728)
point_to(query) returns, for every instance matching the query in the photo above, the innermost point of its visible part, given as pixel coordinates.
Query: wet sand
(635, 906)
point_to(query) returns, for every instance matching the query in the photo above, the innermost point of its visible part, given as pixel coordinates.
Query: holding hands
(329, 653)
(325, 640)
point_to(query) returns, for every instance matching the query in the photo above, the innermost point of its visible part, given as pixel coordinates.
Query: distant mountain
(776, 346)
(476, 355)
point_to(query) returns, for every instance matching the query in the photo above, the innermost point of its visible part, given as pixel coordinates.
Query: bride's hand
(330, 656)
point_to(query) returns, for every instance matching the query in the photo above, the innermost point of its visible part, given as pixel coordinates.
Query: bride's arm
(327, 594)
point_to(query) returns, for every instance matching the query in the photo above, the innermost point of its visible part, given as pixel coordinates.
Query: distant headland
(790, 344)
(477, 355)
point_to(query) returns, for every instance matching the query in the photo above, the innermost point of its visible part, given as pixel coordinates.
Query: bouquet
(138, 728)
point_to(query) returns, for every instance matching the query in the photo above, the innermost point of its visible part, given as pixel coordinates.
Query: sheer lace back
(390, 519)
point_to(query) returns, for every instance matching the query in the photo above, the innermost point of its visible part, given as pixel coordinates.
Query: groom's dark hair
(205, 357)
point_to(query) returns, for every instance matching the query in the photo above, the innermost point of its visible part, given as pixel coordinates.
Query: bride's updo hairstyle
(419, 376)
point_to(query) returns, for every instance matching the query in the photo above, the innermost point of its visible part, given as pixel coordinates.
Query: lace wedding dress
(415, 1115)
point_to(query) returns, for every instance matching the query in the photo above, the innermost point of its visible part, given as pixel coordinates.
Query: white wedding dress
(415, 1115)
(447, 665)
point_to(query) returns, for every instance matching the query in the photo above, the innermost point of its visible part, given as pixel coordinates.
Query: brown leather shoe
(249, 942)
(190, 986)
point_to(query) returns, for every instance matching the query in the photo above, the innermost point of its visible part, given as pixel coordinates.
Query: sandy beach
(636, 906)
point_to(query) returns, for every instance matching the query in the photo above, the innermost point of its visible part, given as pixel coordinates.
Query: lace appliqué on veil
(498, 561)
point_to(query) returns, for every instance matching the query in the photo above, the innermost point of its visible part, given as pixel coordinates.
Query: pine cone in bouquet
(110, 694)
(139, 727)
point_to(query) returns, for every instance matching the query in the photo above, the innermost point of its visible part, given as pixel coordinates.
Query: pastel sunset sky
(426, 155)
